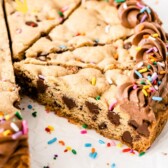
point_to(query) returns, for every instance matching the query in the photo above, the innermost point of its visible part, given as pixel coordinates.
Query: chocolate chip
(102, 126)
(57, 105)
(94, 118)
(31, 23)
(37, 19)
(143, 129)
(133, 123)
(114, 118)
(137, 138)
(81, 108)
(92, 107)
(69, 102)
(16, 104)
(126, 137)
(127, 45)
(41, 86)
(48, 37)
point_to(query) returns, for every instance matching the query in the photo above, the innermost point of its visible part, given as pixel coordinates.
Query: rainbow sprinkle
(157, 98)
(88, 145)
(52, 141)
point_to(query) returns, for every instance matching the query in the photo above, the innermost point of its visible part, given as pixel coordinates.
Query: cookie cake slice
(119, 89)
(28, 20)
(14, 152)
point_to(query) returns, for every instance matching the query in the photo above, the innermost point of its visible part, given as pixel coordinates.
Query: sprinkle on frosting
(157, 98)
(132, 13)
(14, 127)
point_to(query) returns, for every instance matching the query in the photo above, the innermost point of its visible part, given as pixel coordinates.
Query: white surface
(42, 153)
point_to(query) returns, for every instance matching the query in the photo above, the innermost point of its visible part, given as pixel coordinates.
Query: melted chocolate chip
(114, 118)
(102, 126)
(48, 37)
(137, 138)
(31, 23)
(81, 108)
(16, 104)
(92, 107)
(37, 19)
(57, 105)
(41, 86)
(126, 137)
(26, 89)
(70, 103)
(94, 118)
(127, 45)
(133, 123)
(143, 129)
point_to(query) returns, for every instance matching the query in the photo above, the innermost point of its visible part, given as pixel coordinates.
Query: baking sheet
(70, 146)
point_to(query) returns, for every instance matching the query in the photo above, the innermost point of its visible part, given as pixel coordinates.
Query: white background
(42, 153)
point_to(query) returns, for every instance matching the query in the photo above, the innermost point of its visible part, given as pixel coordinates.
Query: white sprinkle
(161, 64)
(109, 81)
(41, 77)
(107, 29)
(151, 38)
(156, 87)
(14, 127)
(125, 6)
(140, 64)
(154, 76)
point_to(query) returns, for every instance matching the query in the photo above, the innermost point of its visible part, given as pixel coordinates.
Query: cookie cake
(100, 63)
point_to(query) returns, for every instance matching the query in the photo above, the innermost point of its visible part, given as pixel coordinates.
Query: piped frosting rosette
(146, 29)
(152, 50)
(142, 93)
(135, 102)
(149, 73)
(145, 81)
(148, 90)
(133, 12)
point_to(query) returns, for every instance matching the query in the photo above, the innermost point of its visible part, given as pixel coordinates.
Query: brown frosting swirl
(118, 4)
(136, 102)
(147, 29)
(147, 93)
(132, 13)
(150, 69)
(151, 48)
(14, 151)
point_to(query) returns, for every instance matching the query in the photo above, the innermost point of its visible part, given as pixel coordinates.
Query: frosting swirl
(15, 137)
(147, 71)
(148, 29)
(137, 103)
(132, 13)
(147, 92)
(151, 49)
